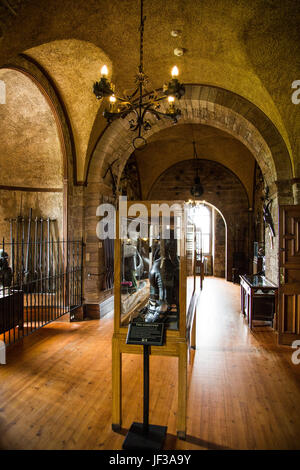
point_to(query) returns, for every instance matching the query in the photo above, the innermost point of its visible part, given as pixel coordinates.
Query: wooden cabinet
(11, 310)
(258, 299)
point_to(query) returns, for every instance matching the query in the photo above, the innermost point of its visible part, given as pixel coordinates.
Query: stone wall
(43, 204)
(95, 290)
(279, 193)
(219, 245)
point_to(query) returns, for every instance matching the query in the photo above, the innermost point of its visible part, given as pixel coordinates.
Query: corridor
(244, 391)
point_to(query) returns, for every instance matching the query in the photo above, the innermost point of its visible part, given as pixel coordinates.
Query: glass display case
(150, 279)
(154, 283)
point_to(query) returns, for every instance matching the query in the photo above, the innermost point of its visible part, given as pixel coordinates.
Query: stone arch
(72, 189)
(33, 151)
(41, 81)
(74, 65)
(229, 197)
(212, 106)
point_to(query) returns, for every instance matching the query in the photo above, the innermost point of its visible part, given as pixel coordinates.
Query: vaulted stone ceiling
(175, 144)
(251, 48)
(74, 65)
(30, 151)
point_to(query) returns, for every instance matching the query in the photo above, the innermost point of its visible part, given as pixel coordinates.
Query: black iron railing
(39, 282)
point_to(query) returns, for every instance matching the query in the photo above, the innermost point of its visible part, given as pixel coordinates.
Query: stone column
(281, 194)
(296, 191)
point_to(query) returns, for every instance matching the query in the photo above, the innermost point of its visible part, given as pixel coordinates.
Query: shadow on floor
(171, 441)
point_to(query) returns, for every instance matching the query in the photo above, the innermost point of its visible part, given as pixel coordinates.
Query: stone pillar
(94, 268)
(296, 192)
(75, 211)
(219, 245)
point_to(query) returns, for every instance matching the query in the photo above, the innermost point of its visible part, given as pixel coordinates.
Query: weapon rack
(45, 277)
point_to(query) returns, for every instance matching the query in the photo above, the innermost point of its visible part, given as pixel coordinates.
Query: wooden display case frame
(176, 344)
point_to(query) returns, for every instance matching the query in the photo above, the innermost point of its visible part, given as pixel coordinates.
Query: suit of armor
(5, 270)
(164, 278)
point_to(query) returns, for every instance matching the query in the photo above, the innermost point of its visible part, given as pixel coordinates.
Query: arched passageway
(202, 105)
(223, 190)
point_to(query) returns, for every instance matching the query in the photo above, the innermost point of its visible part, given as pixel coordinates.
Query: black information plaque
(146, 334)
(145, 436)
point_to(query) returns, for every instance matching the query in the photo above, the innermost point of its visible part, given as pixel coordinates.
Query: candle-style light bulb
(171, 100)
(112, 103)
(175, 72)
(104, 71)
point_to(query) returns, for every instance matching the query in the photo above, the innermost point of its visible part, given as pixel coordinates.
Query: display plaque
(145, 436)
(146, 334)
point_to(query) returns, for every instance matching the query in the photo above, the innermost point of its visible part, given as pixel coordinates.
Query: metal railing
(39, 282)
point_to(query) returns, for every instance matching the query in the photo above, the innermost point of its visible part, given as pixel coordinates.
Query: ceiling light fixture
(143, 100)
(197, 188)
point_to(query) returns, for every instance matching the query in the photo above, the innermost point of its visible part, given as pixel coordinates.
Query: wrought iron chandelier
(143, 100)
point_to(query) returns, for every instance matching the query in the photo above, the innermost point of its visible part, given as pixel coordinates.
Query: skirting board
(97, 311)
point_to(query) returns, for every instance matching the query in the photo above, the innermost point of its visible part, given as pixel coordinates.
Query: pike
(28, 247)
(17, 248)
(22, 250)
(12, 242)
(48, 252)
(41, 254)
(35, 245)
(19, 219)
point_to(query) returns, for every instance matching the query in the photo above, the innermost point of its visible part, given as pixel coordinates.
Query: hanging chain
(141, 66)
(196, 158)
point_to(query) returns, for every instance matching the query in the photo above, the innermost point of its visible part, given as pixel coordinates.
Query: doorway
(211, 242)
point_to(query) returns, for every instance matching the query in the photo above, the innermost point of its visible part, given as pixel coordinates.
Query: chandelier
(143, 101)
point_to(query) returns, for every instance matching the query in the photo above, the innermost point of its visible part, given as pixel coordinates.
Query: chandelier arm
(123, 100)
(133, 127)
(150, 93)
(123, 114)
(171, 116)
(146, 109)
(156, 113)
(119, 114)
(129, 97)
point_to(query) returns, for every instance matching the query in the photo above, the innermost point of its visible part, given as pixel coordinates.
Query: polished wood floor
(244, 391)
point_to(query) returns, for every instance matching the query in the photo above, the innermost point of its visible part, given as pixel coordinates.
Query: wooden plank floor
(244, 391)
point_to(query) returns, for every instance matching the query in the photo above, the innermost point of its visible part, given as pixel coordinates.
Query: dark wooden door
(289, 279)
